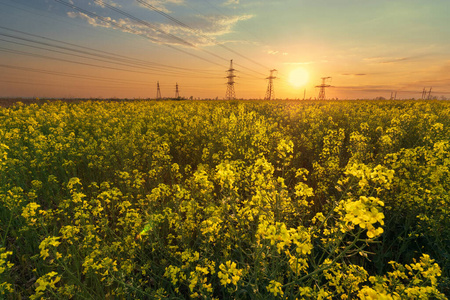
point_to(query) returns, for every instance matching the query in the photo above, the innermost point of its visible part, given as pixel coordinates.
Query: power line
(25, 53)
(149, 25)
(178, 22)
(96, 57)
(69, 61)
(145, 23)
(83, 52)
(95, 52)
(81, 56)
(128, 29)
(73, 75)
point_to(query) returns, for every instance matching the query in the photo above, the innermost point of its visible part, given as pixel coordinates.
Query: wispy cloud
(206, 29)
(353, 74)
(102, 3)
(161, 5)
(124, 25)
(92, 21)
(231, 2)
(299, 63)
(203, 33)
(390, 60)
(305, 62)
(216, 25)
(368, 88)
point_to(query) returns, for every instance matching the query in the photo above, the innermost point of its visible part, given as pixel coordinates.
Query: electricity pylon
(425, 92)
(177, 93)
(230, 95)
(158, 91)
(270, 94)
(393, 96)
(322, 88)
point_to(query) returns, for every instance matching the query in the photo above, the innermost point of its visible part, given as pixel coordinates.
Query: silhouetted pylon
(177, 93)
(270, 94)
(322, 88)
(230, 95)
(158, 91)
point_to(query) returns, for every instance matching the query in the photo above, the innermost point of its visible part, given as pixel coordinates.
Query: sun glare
(298, 77)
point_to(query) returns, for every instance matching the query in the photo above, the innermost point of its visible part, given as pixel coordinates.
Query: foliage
(225, 200)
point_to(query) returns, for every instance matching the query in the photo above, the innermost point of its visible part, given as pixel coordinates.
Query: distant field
(9, 102)
(224, 200)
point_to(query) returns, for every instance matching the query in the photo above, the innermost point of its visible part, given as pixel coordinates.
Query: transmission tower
(393, 96)
(270, 94)
(230, 95)
(158, 91)
(426, 95)
(322, 87)
(177, 93)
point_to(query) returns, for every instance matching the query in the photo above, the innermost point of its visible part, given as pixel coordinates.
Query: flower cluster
(229, 273)
(364, 213)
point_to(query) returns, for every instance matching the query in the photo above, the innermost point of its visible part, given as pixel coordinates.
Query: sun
(298, 77)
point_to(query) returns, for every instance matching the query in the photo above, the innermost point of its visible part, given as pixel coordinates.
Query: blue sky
(122, 48)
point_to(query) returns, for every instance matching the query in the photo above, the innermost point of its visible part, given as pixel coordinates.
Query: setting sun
(298, 77)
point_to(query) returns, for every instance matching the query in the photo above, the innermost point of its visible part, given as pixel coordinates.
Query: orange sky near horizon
(121, 49)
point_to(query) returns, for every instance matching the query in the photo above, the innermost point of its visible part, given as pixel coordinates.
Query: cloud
(161, 5)
(390, 60)
(231, 2)
(276, 52)
(395, 60)
(368, 88)
(206, 29)
(299, 63)
(102, 3)
(305, 62)
(387, 90)
(216, 25)
(357, 74)
(124, 25)
(92, 21)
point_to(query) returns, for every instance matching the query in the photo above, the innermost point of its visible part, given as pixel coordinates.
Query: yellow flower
(229, 273)
(49, 241)
(275, 288)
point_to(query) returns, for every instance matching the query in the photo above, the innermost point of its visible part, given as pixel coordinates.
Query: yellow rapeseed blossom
(30, 213)
(45, 283)
(5, 266)
(275, 288)
(365, 213)
(229, 273)
(49, 243)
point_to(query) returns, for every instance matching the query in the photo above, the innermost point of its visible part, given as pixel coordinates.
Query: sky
(127, 48)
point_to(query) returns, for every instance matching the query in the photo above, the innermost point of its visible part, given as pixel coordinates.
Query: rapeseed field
(225, 200)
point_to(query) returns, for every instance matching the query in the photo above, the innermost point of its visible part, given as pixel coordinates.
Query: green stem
(323, 268)
(7, 229)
